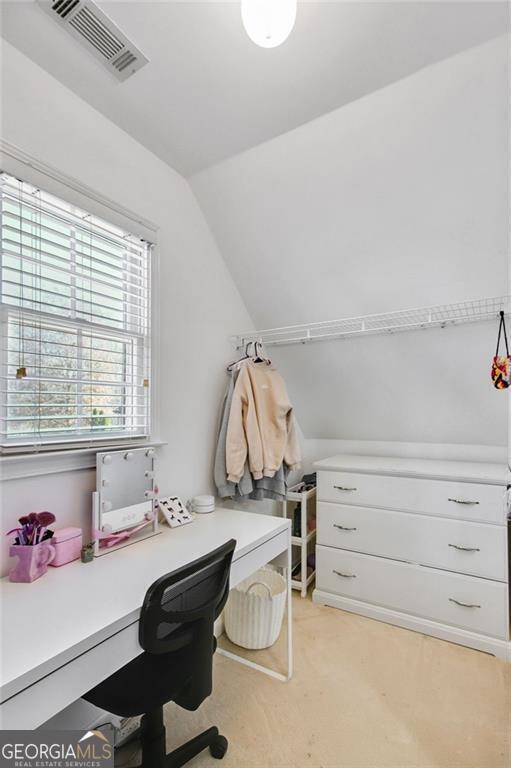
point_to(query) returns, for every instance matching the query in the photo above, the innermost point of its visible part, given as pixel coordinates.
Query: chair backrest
(181, 607)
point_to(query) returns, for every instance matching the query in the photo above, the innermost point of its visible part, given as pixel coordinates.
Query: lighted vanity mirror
(124, 504)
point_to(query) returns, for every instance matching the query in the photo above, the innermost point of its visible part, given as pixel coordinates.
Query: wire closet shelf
(441, 316)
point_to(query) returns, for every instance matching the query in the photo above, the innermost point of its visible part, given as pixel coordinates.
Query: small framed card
(174, 511)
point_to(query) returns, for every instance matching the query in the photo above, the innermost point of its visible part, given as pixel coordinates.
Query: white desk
(64, 633)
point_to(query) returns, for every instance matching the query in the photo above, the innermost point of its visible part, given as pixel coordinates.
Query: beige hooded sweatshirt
(261, 424)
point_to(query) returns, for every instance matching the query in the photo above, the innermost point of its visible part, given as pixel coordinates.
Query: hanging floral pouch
(501, 366)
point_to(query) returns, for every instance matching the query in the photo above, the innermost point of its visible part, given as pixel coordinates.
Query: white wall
(397, 200)
(200, 305)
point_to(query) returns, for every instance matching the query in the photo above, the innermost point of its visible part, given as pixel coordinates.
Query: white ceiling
(209, 93)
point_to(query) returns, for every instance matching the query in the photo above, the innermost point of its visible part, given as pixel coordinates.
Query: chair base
(153, 744)
(211, 738)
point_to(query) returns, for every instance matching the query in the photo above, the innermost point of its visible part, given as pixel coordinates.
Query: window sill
(18, 466)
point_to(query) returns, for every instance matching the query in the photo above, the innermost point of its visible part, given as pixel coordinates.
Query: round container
(255, 610)
(203, 504)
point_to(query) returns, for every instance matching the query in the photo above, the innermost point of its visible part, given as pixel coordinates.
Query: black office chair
(176, 633)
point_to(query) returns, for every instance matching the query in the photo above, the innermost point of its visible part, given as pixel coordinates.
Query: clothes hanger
(258, 351)
(246, 356)
(257, 357)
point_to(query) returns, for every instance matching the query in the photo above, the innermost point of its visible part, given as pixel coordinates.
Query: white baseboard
(499, 648)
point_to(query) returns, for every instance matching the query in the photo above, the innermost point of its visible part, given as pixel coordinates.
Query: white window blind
(75, 304)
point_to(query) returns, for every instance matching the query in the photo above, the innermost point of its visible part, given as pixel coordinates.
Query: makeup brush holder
(32, 562)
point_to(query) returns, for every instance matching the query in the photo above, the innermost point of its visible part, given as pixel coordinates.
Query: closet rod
(439, 316)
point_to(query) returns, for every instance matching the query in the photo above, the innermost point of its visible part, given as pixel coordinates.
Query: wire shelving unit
(440, 316)
(302, 503)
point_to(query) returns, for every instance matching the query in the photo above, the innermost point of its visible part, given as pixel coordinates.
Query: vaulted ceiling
(209, 93)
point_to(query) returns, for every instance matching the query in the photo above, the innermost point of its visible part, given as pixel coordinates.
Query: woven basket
(255, 609)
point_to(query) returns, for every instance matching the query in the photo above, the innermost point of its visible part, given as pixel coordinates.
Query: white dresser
(418, 543)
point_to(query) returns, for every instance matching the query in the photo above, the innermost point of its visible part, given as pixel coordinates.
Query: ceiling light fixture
(268, 22)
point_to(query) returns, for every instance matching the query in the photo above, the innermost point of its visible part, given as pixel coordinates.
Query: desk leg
(289, 629)
(289, 632)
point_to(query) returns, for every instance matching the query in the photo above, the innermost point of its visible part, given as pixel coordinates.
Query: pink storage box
(68, 545)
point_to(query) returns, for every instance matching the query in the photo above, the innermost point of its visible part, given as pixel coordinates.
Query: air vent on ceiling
(88, 24)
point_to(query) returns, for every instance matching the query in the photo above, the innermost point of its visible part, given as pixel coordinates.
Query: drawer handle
(462, 501)
(464, 605)
(464, 549)
(343, 488)
(346, 575)
(343, 527)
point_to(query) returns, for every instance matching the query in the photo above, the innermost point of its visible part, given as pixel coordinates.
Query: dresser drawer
(478, 605)
(371, 531)
(463, 601)
(453, 545)
(362, 577)
(467, 501)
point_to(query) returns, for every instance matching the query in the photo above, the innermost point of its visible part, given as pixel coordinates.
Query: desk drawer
(475, 604)
(454, 545)
(466, 501)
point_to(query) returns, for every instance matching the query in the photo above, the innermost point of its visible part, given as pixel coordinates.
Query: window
(75, 314)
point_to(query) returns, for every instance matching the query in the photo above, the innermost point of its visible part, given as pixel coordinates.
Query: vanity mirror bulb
(106, 506)
(128, 456)
(149, 474)
(107, 459)
(105, 483)
(149, 453)
(148, 494)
